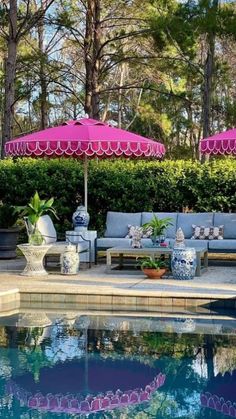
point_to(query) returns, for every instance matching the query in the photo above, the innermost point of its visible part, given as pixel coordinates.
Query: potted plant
(153, 269)
(8, 231)
(158, 226)
(35, 209)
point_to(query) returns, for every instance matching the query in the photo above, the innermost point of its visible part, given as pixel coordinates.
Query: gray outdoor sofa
(117, 228)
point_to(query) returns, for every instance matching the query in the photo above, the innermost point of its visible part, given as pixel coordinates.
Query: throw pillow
(207, 233)
(133, 230)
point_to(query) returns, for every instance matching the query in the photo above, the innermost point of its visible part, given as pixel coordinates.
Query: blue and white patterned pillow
(207, 233)
(132, 230)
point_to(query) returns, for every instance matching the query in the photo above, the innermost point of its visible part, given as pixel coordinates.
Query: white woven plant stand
(34, 259)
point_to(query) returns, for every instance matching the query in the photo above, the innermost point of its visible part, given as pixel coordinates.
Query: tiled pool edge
(9, 300)
(126, 301)
(13, 299)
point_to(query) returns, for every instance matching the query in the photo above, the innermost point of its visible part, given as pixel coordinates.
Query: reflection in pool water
(81, 387)
(220, 394)
(117, 367)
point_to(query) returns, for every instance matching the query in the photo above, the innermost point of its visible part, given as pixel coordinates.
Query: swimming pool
(103, 366)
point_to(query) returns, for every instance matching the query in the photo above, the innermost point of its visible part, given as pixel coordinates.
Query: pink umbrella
(61, 388)
(223, 143)
(84, 139)
(220, 394)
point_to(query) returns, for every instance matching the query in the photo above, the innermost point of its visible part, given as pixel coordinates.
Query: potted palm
(8, 231)
(31, 212)
(158, 226)
(153, 269)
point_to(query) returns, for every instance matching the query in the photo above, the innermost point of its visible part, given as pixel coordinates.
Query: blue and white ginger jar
(183, 263)
(70, 260)
(80, 217)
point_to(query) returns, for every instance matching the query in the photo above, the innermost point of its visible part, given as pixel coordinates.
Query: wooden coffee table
(153, 252)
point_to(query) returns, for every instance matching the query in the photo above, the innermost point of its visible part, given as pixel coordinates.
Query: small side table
(34, 256)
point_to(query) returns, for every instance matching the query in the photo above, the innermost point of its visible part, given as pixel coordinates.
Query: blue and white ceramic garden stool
(183, 263)
(70, 260)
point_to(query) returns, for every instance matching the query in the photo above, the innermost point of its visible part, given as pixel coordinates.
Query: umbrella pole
(86, 182)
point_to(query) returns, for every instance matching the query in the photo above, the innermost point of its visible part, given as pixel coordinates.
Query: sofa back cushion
(186, 220)
(229, 223)
(170, 231)
(117, 223)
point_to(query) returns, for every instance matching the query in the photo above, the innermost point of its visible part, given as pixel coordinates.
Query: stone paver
(217, 282)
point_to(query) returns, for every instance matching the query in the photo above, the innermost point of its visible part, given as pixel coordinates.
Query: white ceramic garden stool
(70, 260)
(78, 236)
(34, 257)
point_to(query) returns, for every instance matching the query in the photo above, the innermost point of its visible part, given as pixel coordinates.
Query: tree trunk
(88, 40)
(209, 352)
(207, 92)
(122, 74)
(208, 77)
(92, 44)
(43, 82)
(208, 74)
(10, 74)
(74, 111)
(96, 61)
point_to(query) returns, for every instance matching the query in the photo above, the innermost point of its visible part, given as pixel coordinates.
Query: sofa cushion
(185, 221)
(107, 242)
(229, 222)
(196, 243)
(207, 233)
(171, 230)
(117, 223)
(223, 245)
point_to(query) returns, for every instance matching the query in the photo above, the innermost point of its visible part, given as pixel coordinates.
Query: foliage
(149, 62)
(158, 225)
(149, 263)
(8, 217)
(183, 32)
(36, 208)
(121, 185)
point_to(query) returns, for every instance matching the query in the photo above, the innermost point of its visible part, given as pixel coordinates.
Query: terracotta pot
(154, 273)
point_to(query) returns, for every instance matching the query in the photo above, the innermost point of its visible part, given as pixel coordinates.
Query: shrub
(120, 185)
(8, 217)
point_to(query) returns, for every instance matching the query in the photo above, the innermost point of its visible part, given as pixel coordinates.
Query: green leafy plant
(149, 263)
(8, 217)
(158, 225)
(35, 209)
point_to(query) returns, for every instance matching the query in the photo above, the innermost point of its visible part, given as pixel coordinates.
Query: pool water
(77, 366)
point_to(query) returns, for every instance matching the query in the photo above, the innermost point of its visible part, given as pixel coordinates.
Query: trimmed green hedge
(121, 185)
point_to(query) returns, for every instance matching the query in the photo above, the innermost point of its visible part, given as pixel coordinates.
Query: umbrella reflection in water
(220, 394)
(88, 382)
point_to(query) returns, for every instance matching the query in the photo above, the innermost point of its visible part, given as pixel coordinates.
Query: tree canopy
(164, 69)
